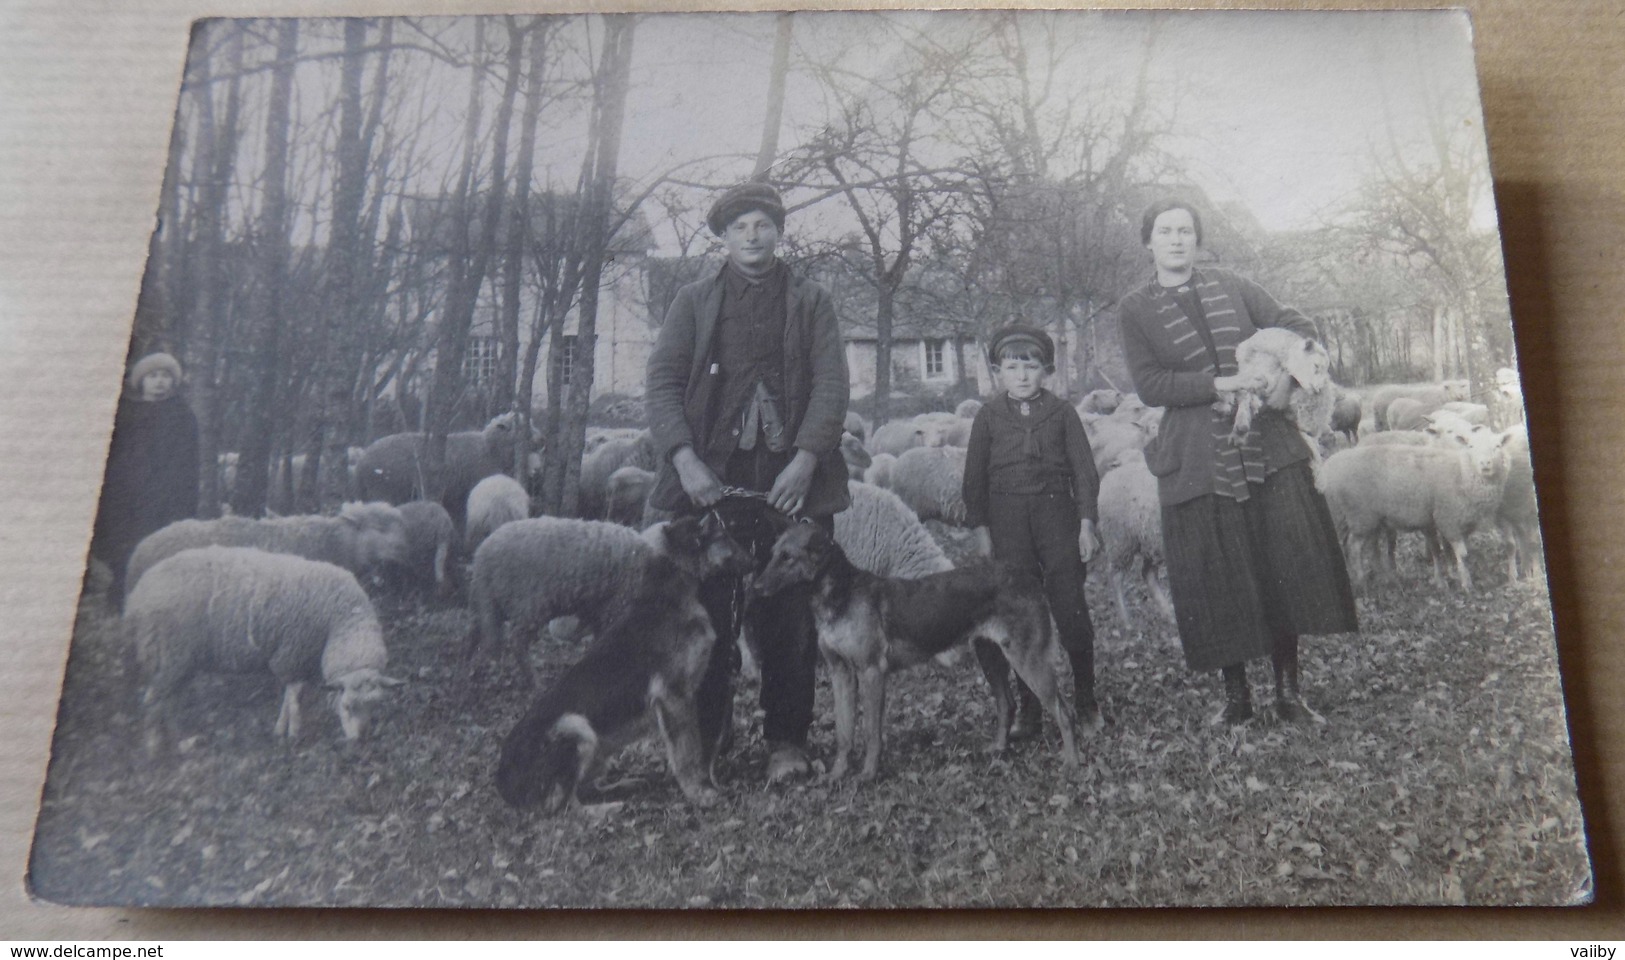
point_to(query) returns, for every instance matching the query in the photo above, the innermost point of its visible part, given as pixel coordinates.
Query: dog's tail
(542, 762)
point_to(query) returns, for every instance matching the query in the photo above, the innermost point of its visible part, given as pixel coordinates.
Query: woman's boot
(1238, 701)
(1289, 705)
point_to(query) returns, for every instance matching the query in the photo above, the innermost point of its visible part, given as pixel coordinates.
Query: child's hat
(1021, 333)
(151, 363)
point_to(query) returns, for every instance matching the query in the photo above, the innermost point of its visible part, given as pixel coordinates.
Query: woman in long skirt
(1253, 557)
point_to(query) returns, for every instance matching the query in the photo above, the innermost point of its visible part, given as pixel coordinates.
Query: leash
(744, 493)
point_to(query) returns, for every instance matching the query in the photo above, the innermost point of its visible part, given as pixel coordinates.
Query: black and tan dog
(646, 666)
(869, 626)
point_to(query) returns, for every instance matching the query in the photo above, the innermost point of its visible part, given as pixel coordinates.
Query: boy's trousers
(1038, 534)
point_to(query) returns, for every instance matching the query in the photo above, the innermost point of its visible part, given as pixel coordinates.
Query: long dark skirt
(1244, 574)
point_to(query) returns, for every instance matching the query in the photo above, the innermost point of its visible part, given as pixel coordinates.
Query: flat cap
(741, 200)
(1021, 333)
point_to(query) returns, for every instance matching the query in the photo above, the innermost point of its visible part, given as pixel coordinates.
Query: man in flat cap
(748, 388)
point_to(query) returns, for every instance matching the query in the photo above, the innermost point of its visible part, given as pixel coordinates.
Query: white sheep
(1112, 436)
(529, 572)
(1476, 414)
(930, 481)
(879, 472)
(900, 435)
(637, 450)
(1292, 375)
(1508, 397)
(1516, 515)
(1371, 489)
(235, 609)
(429, 538)
(881, 535)
(1131, 530)
(1347, 412)
(363, 537)
(968, 409)
(1100, 402)
(494, 501)
(1432, 395)
(857, 425)
(626, 495)
(1409, 413)
(1396, 438)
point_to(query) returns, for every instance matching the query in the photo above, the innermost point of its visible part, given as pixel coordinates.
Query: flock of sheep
(284, 595)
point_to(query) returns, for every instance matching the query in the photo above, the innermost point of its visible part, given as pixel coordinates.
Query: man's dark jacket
(681, 395)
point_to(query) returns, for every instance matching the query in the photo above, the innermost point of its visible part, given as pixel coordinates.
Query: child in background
(152, 467)
(1030, 494)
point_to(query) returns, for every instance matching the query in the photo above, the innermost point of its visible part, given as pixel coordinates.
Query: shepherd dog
(642, 671)
(869, 626)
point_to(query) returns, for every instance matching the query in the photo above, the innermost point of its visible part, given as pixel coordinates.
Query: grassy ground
(1442, 777)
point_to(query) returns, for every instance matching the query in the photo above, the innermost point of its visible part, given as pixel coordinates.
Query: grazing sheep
(393, 469)
(1112, 436)
(429, 536)
(879, 472)
(900, 435)
(1346, 415)
(233, 610)
(362, 537)
(856, 425)
(856, 457)
(881, 535)
(1100, 402)
(1131, 530)
(635, 451)
(930, 481)
(494, 501)
(626, 494)
(1371, 489)
(1432, 395)
(968, 409)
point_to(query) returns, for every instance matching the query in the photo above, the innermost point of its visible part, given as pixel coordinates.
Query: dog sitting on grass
(869, 626)
(646, 667)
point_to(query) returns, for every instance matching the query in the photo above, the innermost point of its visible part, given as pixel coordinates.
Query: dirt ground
(1442, 776)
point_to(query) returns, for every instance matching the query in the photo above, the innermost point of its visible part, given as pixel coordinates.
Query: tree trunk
(512, 395)
(775, 96)
(254, 464)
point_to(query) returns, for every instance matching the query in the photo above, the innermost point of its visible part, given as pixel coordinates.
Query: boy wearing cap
(748, 388)
(1030, 493)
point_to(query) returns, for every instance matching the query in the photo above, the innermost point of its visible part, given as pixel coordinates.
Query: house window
(480, 361)
(936, 362)
(565, 362)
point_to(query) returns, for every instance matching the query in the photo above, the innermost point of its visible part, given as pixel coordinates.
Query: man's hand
(701, 485)
(789, 493)
(1088, 541)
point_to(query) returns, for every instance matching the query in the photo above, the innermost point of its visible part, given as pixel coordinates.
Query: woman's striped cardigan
(1192, 455)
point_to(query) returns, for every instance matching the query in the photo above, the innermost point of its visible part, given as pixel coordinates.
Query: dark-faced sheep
(394, 469)
(429, 538)
(494, 501)
(856, 457)
(362, 538)
(234, 610)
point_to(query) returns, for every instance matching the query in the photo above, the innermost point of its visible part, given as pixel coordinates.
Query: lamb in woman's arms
(1289, 373)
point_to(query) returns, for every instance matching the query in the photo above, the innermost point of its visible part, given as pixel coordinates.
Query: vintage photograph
(976, 459)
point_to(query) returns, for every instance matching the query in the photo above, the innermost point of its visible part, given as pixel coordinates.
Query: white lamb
(235, 609)
(930, 480)
(879, 472)
(1371, 489)
(1291, 374)
(1131, 530)
(494, 501)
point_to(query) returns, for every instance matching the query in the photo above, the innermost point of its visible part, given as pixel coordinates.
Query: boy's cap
(741, 200)
(1021, 333)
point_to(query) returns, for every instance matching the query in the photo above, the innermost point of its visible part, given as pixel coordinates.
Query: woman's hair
(1149, 218)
